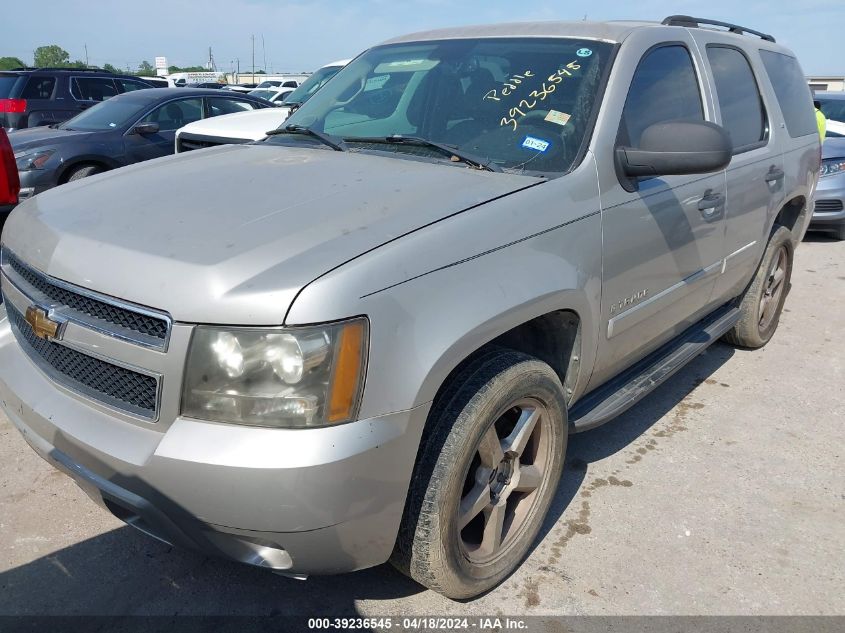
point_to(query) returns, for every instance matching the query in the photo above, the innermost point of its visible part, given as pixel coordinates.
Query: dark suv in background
(43, 96)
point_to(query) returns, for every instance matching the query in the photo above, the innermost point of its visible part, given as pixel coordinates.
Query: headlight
(291, 378)
(831, 166)
(27, 160)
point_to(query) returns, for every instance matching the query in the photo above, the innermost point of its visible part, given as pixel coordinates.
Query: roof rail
(694, 23)
(69, 69)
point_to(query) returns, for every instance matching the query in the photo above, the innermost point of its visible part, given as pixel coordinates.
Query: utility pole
(86, 55)
(264, 52)
(253, 59)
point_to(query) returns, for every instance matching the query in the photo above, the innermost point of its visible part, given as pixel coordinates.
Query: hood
(252, 125)
(36, 137)
(231, 234)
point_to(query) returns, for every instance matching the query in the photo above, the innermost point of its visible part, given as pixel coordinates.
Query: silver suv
(490, 237)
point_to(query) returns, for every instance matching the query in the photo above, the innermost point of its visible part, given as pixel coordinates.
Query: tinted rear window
(92, 88)
(739, 99)
(792, 92)
(10, 86)
(39, 87)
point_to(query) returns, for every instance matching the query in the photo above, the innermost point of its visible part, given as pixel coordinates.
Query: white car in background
(273, 94)
(835, 128)
(244, 127)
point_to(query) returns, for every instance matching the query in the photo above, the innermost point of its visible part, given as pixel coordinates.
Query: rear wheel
(485, 477)
(762, 303)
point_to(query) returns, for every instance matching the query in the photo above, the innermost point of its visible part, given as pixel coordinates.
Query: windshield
(106, 115)
(312, 84)
(521, 104)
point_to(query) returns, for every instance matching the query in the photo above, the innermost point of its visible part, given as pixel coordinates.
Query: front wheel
(485, 477)
(762, 303)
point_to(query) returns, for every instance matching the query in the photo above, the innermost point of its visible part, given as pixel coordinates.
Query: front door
(663, 240)
(169, 117)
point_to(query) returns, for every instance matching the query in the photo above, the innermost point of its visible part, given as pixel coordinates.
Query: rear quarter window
(10, 86)
(792, 92)
(39, 87)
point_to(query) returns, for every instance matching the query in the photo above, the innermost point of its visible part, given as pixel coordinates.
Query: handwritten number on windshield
(547, 88)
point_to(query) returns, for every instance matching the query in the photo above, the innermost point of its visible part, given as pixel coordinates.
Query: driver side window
(175, 114)
(664, 88)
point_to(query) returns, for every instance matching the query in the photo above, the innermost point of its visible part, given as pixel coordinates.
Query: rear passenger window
(739, 97)
(92, 88)
(792, 92)
(220, 105)
(128, 85)
(664, 88)
(39, 88)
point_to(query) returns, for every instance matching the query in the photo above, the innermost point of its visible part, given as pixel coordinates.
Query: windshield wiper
(335, 142)
(453, 152)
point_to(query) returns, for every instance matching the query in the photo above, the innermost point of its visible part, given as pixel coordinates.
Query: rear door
(663, 241)
(755, 176)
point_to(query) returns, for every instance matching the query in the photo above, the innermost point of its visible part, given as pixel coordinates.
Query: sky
(304, 35)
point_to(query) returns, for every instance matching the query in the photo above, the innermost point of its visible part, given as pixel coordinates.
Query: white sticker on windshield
(561, 118)
(584, 52)
(374, 83)
(532, 142)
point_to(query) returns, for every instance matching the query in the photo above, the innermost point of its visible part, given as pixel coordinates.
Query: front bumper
(829, 203)
(301, 501)
(34, 181)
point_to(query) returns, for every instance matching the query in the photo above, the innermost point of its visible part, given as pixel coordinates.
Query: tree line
(54, 56)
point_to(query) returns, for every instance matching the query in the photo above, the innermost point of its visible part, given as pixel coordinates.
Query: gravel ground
(721, 493)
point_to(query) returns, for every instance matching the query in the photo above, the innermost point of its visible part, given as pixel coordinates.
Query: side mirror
(145, 128)
(677, 148)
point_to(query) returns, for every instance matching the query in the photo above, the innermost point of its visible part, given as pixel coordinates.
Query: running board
(624, 391)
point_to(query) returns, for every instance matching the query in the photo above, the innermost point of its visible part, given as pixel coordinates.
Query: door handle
(774, 173)
(710, 202)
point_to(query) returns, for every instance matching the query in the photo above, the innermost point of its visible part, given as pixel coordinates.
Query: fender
(440, 293)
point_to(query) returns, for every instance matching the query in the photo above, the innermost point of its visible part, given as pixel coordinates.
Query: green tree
(185, 69)
(145, 69)
(7, 63)
(52, 55)
(110, 68)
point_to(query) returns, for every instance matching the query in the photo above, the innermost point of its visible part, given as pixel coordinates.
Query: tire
(447, 538)
(83, 172)
(839, 233)
(762, 303)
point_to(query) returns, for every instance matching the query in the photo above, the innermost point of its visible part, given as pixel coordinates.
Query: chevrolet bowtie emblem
(41, 325)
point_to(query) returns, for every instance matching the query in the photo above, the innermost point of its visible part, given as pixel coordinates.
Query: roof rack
(694, 23)
(65, 68)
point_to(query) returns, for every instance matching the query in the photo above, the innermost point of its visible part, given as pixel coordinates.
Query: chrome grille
(111, 384)
(828, 205)
(189, 142)
(146, 329)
